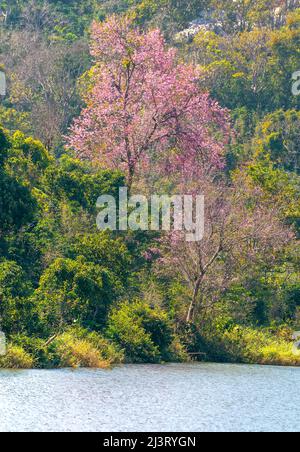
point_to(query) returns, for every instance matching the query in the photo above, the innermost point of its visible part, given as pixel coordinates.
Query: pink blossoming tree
(243, 233)
(142, 102)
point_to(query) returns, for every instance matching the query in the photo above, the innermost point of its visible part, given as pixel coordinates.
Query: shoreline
(110, 367)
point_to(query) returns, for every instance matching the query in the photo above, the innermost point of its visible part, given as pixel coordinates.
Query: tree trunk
(131, 172)
(190, 315)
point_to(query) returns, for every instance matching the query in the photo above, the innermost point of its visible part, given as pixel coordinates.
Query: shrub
(36, 348)
(80, 348)
(76, 347)
(16, 358)
(251, 346)
(73, 352)
(109, 351)
(144, 332)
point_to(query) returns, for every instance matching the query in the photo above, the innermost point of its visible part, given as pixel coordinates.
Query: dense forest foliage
(71, 295)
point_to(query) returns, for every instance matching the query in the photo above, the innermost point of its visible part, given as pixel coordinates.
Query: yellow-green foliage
(78, 348)
(16, 358)
(255, 346)
(75, 353)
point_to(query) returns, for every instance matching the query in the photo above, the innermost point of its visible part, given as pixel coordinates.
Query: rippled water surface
(183, 397)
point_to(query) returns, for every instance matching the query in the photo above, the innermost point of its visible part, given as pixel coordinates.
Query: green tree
(251, 69)
(80, 183)
(102, 249)
(74, 291)
(16, 311)
(17, 206)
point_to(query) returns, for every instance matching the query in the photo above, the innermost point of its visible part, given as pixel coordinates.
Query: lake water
(183, 397)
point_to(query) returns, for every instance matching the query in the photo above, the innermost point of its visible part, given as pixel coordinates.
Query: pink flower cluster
(143, 101)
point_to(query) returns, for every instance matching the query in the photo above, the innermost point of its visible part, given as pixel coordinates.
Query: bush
(80, 348)
(16, 358)
(109, 351)
(145, 333)
(251, 346)
(73, 352)
(36, 348)
(76, 347)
